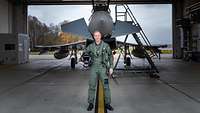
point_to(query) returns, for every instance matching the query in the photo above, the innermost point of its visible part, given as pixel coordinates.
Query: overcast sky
(156, 20)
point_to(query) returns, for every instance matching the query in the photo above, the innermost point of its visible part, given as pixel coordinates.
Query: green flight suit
(101, 58)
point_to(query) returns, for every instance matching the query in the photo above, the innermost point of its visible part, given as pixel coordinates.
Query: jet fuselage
(101, 21)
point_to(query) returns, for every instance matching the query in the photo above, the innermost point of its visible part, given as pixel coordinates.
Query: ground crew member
(101, 61)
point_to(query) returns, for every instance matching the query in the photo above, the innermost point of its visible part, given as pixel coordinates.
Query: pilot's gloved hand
(110, 71)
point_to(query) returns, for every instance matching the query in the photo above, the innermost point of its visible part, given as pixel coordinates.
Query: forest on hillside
(41, 34)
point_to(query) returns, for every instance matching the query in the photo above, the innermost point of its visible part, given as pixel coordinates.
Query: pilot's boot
(90, 107)
(109, 107)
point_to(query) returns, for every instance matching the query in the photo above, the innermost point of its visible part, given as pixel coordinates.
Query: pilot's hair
(97, 31)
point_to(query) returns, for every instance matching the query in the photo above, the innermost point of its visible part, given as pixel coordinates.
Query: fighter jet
(100, 20)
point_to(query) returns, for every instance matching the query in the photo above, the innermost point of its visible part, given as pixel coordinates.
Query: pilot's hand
(110, 71)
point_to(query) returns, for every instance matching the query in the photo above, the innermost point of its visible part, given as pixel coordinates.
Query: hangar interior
(46, 86)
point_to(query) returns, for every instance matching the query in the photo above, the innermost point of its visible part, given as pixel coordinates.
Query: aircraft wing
(124, 28)
(77, 27)
(61, 45)
(122, 43)
(45, 48)
(147, 47)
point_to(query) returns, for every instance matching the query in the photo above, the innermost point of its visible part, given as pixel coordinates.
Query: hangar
(176, 91)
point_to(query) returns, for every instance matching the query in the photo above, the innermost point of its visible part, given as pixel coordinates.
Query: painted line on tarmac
(100, 102)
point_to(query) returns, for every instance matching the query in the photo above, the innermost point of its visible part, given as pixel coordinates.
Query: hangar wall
(19, 17)
(5, 16)
(13, 17)
(14, 43)
(14, 48)
(186, 29)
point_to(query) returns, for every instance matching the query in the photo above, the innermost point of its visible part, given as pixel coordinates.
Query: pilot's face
(97, 36)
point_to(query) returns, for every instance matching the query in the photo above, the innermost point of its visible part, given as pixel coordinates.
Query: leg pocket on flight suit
(105, 81)
(106, 84)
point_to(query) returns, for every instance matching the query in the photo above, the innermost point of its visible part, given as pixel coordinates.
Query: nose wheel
(128, 61)
(73, 63)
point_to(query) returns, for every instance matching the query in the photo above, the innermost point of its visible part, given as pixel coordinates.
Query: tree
(41, 34)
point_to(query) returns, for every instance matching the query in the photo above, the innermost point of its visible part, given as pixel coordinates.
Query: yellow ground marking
(3, 66)
(101, 106)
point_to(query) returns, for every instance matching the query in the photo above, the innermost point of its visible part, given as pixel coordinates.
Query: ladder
(128, 13)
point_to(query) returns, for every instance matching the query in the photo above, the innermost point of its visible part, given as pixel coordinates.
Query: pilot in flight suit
(101, 60)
